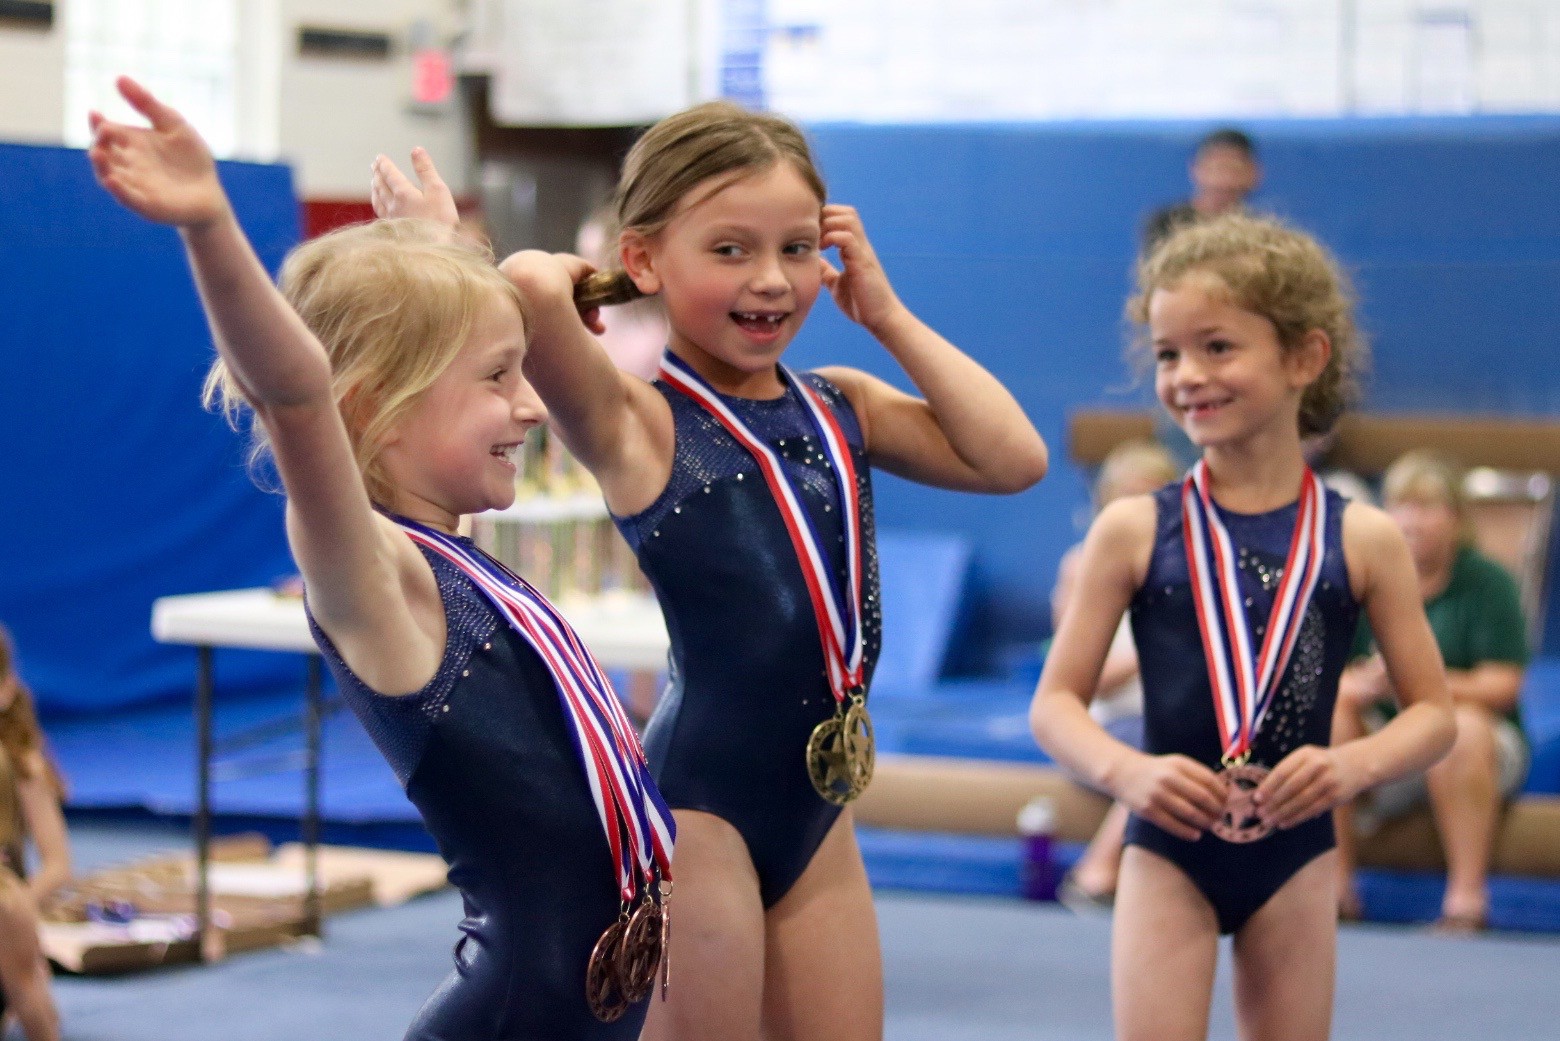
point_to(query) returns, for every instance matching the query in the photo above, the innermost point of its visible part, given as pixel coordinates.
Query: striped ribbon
(638, 825)
(839, 623)
(1244, 680)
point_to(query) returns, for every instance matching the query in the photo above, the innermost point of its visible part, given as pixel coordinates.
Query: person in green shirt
(1474, 609)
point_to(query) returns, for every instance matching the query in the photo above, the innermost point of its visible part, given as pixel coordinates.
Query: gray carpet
(957, 970)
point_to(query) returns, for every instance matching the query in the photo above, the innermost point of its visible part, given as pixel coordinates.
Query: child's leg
(823, 965)
(1099, 867)
(1285, 957)
(24, 974)
(1465, 800)
(717, 970)
(1164, 949)
(1347, 724)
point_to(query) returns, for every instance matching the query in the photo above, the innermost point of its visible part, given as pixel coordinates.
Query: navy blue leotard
(747, 682)
(1237, 879)
(484, 753)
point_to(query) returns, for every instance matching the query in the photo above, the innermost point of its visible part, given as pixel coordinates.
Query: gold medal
(1240, 821)
(841, 752)
(666, 936)
(603, 991)
(639, 953)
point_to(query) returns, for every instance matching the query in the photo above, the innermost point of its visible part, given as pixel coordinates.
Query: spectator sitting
(1475, 612)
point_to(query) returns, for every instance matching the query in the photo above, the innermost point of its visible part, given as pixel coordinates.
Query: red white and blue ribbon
(639, 827)
(1243, 675)
(838, 612)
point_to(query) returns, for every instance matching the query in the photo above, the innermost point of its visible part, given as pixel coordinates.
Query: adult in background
(1476, 613)
(1224, 171)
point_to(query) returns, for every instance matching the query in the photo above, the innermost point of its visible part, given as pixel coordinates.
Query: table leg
(204, 940)
(311, 815)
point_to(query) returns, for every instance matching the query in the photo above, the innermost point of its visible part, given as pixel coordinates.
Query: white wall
(328, 117)
(32, 83)
(336, 114)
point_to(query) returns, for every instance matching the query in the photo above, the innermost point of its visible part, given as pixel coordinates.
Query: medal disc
(841, 754)
(603, 992)
(639, 953)
(1240, 821)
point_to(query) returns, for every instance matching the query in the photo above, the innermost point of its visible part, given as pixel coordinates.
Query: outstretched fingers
(160, 116)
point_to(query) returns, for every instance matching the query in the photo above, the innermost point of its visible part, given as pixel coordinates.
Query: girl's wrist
(893, 325)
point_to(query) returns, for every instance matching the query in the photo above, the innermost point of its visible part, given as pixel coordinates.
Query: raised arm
(1176, 792)
(966, 432)
(165, 173)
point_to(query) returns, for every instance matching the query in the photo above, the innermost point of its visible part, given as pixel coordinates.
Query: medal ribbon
(638, 825)
(1244, 682)
(839, 624)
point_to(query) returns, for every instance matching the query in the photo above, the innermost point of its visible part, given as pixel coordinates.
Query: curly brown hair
(1275, 271)
(20, 735)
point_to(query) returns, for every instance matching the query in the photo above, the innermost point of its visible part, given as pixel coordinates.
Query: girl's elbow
(1020, 470)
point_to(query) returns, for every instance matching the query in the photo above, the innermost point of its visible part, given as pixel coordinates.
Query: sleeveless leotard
(747, 683)
(1237, 879)
(484, 753)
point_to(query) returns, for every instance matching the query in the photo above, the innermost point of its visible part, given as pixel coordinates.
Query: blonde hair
(1424, 477)
(684, 151)
(392, 301)
(1146, 458)
(1282, 274)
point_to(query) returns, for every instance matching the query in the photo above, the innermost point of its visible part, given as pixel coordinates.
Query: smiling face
(453, 451)
(1220, 370)
(737, 267)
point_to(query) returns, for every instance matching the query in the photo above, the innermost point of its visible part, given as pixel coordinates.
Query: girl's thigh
(1286, 957)
(717, 938)
(823, 973)
(1164, 950)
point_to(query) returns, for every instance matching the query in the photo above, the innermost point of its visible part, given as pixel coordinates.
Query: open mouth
(508, 453)
(759, 322)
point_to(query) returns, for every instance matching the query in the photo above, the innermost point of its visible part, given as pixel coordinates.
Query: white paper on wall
(593, 62)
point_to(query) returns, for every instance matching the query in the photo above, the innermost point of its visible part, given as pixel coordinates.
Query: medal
(1240, 821)
(839, 754)
(1244, 677)
(603, 991)
(638, 826)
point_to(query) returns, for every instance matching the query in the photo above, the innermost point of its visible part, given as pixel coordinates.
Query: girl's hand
(1310, 780)
(163, 172)
(1176, 792)
(538, 274)
(394, 195)
(861, 289)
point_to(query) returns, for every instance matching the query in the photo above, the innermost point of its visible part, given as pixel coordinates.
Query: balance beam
(980, 797)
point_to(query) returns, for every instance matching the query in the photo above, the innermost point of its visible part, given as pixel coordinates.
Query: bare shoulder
(1121, 539)
(1371, 541)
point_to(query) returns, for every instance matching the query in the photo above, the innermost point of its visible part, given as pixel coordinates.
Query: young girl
(392, 396)
(743, 488)
(1244, 583)
(30, 792)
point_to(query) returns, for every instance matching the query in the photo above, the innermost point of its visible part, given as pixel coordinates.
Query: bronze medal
(639, 953)
(1240, 821)
(841, 752)
(603, 991)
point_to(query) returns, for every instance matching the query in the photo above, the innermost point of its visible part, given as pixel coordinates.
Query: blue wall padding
(923, 577)
(1016, 242)
(118, 488)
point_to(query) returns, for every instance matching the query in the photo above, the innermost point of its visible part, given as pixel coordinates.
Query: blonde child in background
(1244, 583)
(1131, 468)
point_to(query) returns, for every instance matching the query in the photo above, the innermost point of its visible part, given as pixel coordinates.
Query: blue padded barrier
(118, 487)
(923, 587)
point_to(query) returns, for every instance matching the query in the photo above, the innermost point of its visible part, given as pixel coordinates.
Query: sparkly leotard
(1237, 879)
(747, 683)
(485, 755)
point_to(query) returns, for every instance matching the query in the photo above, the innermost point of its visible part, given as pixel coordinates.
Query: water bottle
(1037, 825)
